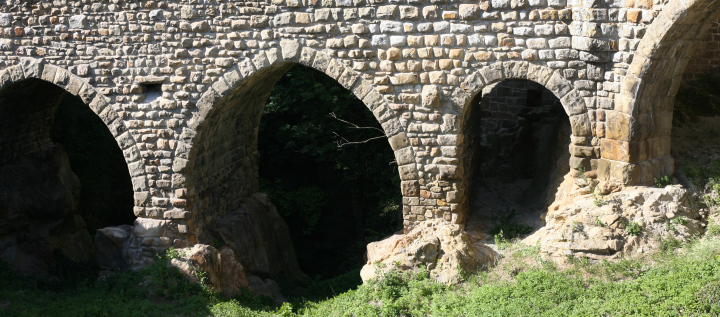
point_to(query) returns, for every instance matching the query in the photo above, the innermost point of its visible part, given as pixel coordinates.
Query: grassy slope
(675, 283)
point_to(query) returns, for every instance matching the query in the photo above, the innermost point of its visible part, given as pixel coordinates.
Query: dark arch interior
(328, 201)
(62, 177)
(516, 137)
(696, 117)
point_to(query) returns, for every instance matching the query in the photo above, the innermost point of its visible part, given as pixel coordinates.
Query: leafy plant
(508, 226)
(709, 296)
(713, 229)
(713, 197)
(633, 228)
(173, 253)
(674, 222)
(501, 241)
(600, 223)
(668, 243)
(662, 182)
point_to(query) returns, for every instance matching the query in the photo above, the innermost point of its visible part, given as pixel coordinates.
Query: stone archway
(41, 197)
(581, 146)
(250, 81)
(220, 156)
(637, 147)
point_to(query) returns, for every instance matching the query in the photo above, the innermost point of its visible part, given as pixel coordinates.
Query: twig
(341, 144)
(354, 126)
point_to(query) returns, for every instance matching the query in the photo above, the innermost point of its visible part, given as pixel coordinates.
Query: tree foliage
(334, 198)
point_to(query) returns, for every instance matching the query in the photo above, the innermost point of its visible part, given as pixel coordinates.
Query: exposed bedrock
(446, 250)
(614, 223)
(39, 219)
(223, 271)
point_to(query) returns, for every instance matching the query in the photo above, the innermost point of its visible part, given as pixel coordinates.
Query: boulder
(38, 212)
(259, 237)
(446, 250)
(110, 246)
(223, 272)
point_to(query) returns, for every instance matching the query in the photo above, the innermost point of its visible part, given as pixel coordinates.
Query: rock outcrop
(618, 223)
(444, 249)
(39, 217)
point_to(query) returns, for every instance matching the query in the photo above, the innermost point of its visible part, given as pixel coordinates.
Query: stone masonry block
(580, 125)
(398, 141)
(32, 67)
(408, 172)
(492, 74)
(515, 70)
(558, 85)
(460, 97)
(145, 227)
(405, 156)
(361, 89)
(410, 188)
(539, 74)
(139, 184)
(573, 103)
(290, 49)
(430, 96)
(373, 100)
(307, 56)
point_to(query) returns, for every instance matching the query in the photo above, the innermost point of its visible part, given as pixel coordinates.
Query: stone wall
(416, 65)
(502, 102)
(706, 55)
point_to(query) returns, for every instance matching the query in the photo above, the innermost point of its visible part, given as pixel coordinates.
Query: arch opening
(516, 136)
(696, 117)
(275, 174)
(62, 177)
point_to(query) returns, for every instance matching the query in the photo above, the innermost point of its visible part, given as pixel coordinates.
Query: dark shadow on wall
(516, 138)
(62, 176)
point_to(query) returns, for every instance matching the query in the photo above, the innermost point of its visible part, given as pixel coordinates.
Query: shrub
(633, 228)
(669, 243)
(662, 182)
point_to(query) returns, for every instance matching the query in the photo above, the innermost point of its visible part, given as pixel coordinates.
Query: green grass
(676, 282)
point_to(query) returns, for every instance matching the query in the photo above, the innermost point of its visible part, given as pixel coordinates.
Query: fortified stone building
(182, 84)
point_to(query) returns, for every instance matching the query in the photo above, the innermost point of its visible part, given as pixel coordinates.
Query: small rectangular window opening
(152, 91)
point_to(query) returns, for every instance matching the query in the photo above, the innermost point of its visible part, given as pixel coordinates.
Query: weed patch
(507, 228)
